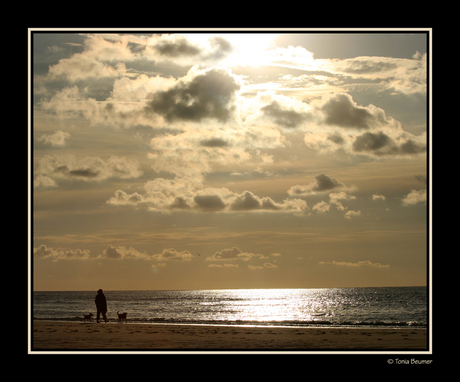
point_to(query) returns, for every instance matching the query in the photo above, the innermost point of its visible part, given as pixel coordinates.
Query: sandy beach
(62, 336)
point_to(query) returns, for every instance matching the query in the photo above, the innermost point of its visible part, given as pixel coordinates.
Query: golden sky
(228, 159)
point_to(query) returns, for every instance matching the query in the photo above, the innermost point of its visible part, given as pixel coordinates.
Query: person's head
(99, 291)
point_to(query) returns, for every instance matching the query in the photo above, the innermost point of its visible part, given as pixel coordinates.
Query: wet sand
(70, 336)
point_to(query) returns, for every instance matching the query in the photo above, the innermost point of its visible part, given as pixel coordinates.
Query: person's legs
(98, 315)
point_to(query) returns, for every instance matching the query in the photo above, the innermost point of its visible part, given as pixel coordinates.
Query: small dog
(88, 317)
(122, 316)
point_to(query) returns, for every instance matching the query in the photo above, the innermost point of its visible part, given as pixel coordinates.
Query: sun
(247, 49)
(250, 49)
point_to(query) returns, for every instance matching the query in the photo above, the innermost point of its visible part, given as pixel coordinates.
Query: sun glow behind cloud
(252, 50)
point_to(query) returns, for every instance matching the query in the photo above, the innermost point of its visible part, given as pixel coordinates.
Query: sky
(210, 159)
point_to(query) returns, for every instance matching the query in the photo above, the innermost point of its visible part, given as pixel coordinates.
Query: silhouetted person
(101, 305)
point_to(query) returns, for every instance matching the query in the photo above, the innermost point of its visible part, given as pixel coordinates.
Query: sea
(389, 307)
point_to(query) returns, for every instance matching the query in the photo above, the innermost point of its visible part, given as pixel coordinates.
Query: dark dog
(88, 317)
(122, 316)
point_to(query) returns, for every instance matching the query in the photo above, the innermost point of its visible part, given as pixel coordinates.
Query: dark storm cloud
(180, 46)
(214, 142)
(336, 138)
(325, 183)
(221, 48)
(380, 144)
(80, 172)
(371, 142)
(209, 202)
(283, 117)
(84, 173)
(208, 95)
(175, 46)
(342, 111)
(322, 183)
(411, 147)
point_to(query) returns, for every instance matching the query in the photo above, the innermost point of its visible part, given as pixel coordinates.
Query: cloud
(375, 144)
(71, 102)
(56, 139)
(322, 207)
(223, 265)
(209, 202)
(334, 200)
(234, 253)
(81, 67)
(406, 76)
(368, 65)
(284, 117)
(322, 184)
(338, 124)
(351, 214)
(190, 154)
(136, 90)
(67, 167)
(214, 142)
(45, 252)
(247, 201)
(378, 197)
(187, 49)
(197, 97)
(122, 253)
(170, 254)
(358, 264)
(193, 152)
(94, 61)
(264, 266)
(340, 110)
(335, 123)
(208, 94)
(415, 197)
(175, 46)
(166, 196)
(381, 144)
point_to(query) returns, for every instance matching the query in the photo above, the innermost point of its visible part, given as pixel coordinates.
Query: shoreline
(87, 336)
